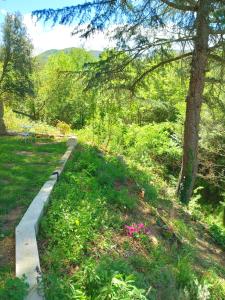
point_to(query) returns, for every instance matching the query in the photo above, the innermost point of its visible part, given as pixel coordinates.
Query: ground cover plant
(104, 237)
(25, 164)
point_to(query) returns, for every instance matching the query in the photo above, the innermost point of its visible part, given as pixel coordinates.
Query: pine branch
(162, 63)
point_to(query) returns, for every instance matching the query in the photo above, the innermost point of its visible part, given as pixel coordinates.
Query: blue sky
(44, 36)
(27, 6)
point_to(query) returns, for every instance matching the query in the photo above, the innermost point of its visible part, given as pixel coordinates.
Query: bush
(153, 142)
(121, 288)
(198, 290)
(149, 144)
(63, 127)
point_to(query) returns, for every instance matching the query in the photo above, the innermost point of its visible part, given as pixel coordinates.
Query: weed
(218, 234)
(14, 289)
(184, 230)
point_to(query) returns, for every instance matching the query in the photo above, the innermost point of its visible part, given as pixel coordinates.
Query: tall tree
(15, 55)
(148, 28)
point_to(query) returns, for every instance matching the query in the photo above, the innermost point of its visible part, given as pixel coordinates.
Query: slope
(111, 233)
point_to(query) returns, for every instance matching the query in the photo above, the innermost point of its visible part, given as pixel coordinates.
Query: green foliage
(138, 122)
(75, 223)
(16, 58)
(87, 254)
(153, 142)
(14, 289)
(148, 144)
(60, 95)
(218, 234)
(185, 272)
(16, 123)
(126, 74)
(215, 285)
(63, 127)
(16, 64)
(139, 125)
(25, 166)
(197, 290)
(121, 288)
(184, 230)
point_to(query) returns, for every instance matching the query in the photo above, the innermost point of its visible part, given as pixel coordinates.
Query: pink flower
(135, 228)
(141, 226)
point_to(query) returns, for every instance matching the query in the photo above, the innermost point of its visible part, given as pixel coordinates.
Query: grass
(87, 254)
(24, 167)
(184, 231)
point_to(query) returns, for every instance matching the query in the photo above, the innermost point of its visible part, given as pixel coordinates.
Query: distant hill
(43, 57)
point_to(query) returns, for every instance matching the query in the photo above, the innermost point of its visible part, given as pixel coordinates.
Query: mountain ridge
(44, 56)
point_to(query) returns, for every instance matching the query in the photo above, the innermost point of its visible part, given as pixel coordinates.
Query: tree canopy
(15, 55)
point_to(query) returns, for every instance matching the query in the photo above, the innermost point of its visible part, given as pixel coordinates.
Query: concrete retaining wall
(27, 256)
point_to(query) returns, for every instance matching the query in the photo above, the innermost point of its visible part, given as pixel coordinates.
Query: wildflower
(135, 229)
(141, 226)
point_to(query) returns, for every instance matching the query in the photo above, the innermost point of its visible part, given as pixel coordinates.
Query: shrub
(155, 142)
(63, 127)
(184, 230)
(121, 288)
(198, 290)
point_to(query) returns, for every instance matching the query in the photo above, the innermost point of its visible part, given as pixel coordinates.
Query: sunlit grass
(24, 167)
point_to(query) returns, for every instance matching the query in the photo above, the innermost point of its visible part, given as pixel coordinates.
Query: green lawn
(87, 253)
(24, 167)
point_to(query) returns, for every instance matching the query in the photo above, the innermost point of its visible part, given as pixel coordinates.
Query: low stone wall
(27, 256)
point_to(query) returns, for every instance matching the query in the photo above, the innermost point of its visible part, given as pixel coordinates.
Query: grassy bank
(112, 234)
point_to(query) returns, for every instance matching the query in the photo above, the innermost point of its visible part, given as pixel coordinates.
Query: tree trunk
(193, 105)
(2, 124)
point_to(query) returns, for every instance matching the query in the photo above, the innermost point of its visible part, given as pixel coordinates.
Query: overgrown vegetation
(87, 252)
